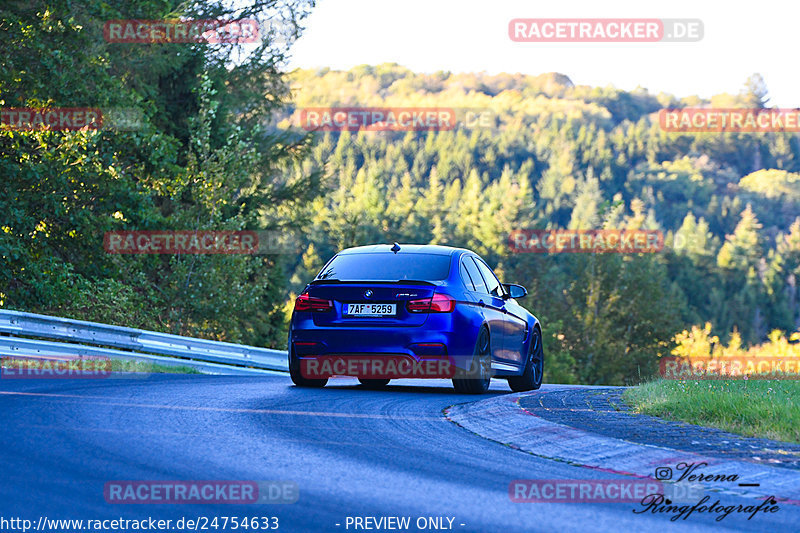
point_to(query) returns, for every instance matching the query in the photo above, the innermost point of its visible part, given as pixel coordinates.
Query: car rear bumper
(417, 345)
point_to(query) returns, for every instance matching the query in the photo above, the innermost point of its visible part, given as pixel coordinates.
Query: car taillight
(304, 302)
(439, 303)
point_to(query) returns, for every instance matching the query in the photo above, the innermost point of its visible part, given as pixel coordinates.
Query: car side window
(477, 280)
(466, 277)
(495, 289)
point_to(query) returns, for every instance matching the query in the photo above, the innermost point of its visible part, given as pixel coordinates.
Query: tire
(374, 384)
(476, 380)
(297, 376)
(531, 378)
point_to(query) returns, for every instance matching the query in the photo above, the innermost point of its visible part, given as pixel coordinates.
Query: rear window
(474, 275)
(387, 267)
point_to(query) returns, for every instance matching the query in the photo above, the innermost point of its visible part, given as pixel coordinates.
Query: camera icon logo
(663, 473)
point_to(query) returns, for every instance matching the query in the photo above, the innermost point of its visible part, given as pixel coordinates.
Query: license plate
(369, 309)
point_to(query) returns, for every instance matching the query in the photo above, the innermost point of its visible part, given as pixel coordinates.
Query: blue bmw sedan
(385, 312)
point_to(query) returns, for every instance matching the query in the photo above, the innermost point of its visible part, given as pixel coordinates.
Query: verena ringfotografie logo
(694, 472)
(199, 242)
(378, 119)
(605, 30)
(585, 241)
(729, 368)
(188, 492)
(733, 120)
(62, 367)
(209, 31)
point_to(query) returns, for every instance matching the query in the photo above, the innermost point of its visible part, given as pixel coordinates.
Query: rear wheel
(297, 376)
(476, 380)
(531, 378)
(374, 383)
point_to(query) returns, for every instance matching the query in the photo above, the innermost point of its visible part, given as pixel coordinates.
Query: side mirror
(514, 291)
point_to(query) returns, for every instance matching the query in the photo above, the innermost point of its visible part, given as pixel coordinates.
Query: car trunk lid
(363, 303)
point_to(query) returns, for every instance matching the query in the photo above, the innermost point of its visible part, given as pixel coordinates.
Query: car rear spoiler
(372, 281)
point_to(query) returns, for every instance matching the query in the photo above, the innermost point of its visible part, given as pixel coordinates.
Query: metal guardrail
(143, 345)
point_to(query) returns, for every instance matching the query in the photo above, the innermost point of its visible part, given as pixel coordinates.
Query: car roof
(433, 249)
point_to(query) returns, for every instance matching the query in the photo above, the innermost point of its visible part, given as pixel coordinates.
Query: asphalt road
(352, 452)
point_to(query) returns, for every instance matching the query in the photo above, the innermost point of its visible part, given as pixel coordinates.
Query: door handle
(481, 303)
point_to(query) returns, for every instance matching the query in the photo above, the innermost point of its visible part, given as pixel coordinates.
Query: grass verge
(754, 408)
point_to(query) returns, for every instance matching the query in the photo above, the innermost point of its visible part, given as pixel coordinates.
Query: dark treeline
(555, 155)
(216, 150)
(199, 160)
